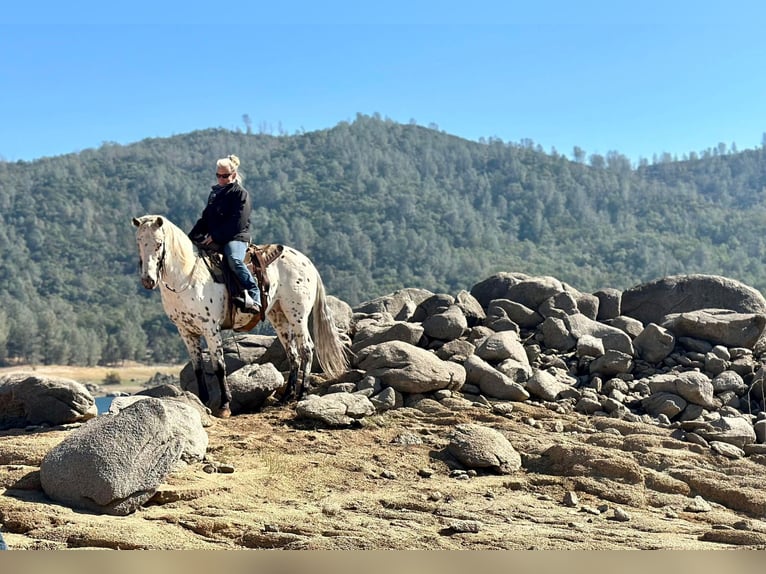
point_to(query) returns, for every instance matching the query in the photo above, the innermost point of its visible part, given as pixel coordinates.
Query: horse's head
(150, 237)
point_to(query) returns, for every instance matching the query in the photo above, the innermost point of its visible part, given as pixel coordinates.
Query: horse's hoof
(223, 413)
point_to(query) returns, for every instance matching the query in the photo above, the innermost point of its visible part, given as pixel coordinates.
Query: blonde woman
(225, 227)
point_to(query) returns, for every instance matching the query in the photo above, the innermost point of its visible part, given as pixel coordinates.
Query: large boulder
(28, 399)
(496, 287)
(410, 369)
(718, 326)
(477, 446)
(651, 302)
(115, 462)
(335, 409)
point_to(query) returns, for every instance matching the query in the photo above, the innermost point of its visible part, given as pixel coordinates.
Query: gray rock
(531, 292)
(612, 362)
(612, 338)
(697, 388)
(337, 409)
(505, 315)
(492, 382)
(393, 303)
(375, 333)
(654, 343)
(732, 430)
(609, 303)
(446, 325)
(632, 327)
(558, 305)
(251, 385)
(387, 399)
(27, 399)
(409, 369)
(651, 302)
(500, 346)
(471, 308)
(458, 350)
(720, 326)
(546, 385)
(495, 287)
(589, 346)
(663, 403)
(556, 335)
(477, 446)
(726, 449)
(115, 463)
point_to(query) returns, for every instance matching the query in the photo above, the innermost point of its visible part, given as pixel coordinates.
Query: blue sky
(639, 78)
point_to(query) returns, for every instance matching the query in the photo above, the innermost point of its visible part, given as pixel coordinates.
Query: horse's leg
(194, 348)
(215, 348)
(284, 333)
(306, 351)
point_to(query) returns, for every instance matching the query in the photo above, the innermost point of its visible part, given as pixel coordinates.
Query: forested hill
(376, 205)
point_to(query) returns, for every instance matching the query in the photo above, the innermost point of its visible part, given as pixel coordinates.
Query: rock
(251, 385)
(664, 403)
(409, 369)
(114, 463)
(698, 504)
(374, 334)
(732, 430)
(501, 346)
(651, 302)
(471, 308)
(495, 287)
(393, 303)
(27, 399)
(719, 326)
(446, 325)
(545, 385)
(492, 382)
(609, 301)
(654, 343)
(477, 446)
(336, 409)
(612, 338)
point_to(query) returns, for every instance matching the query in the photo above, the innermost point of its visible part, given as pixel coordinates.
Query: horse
(199, 307)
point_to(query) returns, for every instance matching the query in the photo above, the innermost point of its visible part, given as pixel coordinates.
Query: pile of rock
(683, 351)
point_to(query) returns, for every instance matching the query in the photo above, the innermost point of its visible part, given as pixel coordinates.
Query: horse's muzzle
(148, 282)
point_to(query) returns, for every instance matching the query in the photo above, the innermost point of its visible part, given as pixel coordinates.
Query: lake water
(103, 404)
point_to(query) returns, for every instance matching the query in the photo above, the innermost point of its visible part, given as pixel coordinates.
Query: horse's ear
(136, 222)
(159, 221)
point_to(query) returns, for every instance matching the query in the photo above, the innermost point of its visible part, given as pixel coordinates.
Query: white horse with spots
(199, 307)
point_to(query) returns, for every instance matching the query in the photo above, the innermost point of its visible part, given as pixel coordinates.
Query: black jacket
(226, 217)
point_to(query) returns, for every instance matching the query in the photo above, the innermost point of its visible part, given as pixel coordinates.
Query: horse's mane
(179, 244)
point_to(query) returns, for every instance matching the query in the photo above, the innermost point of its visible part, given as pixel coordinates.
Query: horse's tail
(330, 350)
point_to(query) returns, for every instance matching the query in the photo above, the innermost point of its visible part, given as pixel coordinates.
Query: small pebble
(469, 526)
(426, 472)
(698, 504)
(571, 499)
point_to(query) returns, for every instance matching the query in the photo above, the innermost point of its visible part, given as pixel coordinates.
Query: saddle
(257, 258)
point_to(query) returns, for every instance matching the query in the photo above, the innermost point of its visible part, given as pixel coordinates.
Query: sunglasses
(223, 175)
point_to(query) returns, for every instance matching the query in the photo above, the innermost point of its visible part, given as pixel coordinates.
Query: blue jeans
(234, 251)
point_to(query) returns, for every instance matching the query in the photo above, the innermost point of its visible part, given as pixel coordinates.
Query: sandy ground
(273, 481)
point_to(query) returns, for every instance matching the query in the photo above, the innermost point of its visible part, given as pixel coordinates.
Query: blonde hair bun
(234, 161)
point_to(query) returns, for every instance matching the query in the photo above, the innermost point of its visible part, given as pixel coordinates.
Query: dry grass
(130, 374)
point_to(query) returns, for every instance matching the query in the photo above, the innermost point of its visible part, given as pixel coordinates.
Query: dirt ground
(272, 481)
